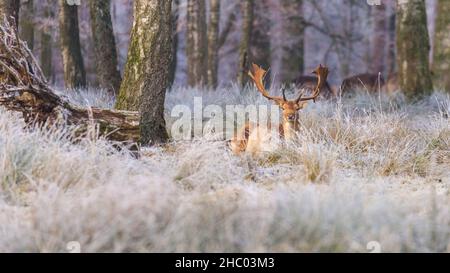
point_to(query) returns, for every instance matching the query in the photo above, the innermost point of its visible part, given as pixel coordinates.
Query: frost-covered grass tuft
(363, 169)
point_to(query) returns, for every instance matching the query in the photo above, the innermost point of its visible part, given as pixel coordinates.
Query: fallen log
(24, 89)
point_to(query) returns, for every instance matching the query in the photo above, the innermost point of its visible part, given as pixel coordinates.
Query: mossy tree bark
(213, 39)
(441, 58)
(413, 48)
(147, 69)
(247, 10)
(10, 9)
(105, 45)
(293, 51)
(27, 23)
(196, 43)
(74, 73)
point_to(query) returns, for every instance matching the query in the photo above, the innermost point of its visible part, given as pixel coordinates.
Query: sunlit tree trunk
(74, 73)
(10, 9)
(196, 43)
(247, 10)
(413, 47)
(147, 70)
(105, 45)
(213, 39)
(441, 58)
(27, 23)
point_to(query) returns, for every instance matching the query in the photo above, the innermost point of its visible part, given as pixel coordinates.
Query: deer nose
(291, 117)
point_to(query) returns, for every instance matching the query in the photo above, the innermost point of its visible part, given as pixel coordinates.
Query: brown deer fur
(364, 82)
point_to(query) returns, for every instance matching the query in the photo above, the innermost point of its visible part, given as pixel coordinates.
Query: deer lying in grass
(256, 138)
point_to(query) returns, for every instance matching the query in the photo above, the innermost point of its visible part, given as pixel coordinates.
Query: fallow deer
(308, 83)
(366, 81)
(254, 138)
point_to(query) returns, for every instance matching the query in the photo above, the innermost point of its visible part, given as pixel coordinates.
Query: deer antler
(257, 76)
(322, 74)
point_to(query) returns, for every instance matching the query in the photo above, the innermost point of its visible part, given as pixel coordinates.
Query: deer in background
(366, 81)
(306, 82)
(255, 138)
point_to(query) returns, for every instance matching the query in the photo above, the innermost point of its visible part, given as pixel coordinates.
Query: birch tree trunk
(147, 69)
(413, 47)
(152, 123)
(213, 39)
(441, 58)
(196, 43)
(74, 73)
(247, 9)
(104, 45)
(10, 9)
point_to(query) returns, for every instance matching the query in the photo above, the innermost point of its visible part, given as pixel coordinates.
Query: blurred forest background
(289, 36)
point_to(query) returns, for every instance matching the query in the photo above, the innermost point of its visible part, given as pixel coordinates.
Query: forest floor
(366, 171)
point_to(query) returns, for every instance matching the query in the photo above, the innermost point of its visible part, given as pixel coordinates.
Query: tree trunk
(441, 58)
(196, 43)
(247, 9)
(260, 46)
(104, 45)
(74, 73)
(413, 48)
(379, 39)
(147, 69)
(152, 123)
(10, 9)
(46, 44)
(213, 39)
(293, 51)
(174, 64)
(27, 23)
(392, 51)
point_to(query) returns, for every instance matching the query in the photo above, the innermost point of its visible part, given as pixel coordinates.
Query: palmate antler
(257, 74)
(322, 74)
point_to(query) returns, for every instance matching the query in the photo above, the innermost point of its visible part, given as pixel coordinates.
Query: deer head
(290, 108)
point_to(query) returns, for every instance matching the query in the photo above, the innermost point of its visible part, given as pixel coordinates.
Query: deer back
(366, 81)
(308, 83)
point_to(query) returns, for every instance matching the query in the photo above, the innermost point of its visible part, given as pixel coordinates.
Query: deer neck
(290, 129)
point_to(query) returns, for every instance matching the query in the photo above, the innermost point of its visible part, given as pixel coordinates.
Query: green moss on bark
(441, 54)
(413, 49)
